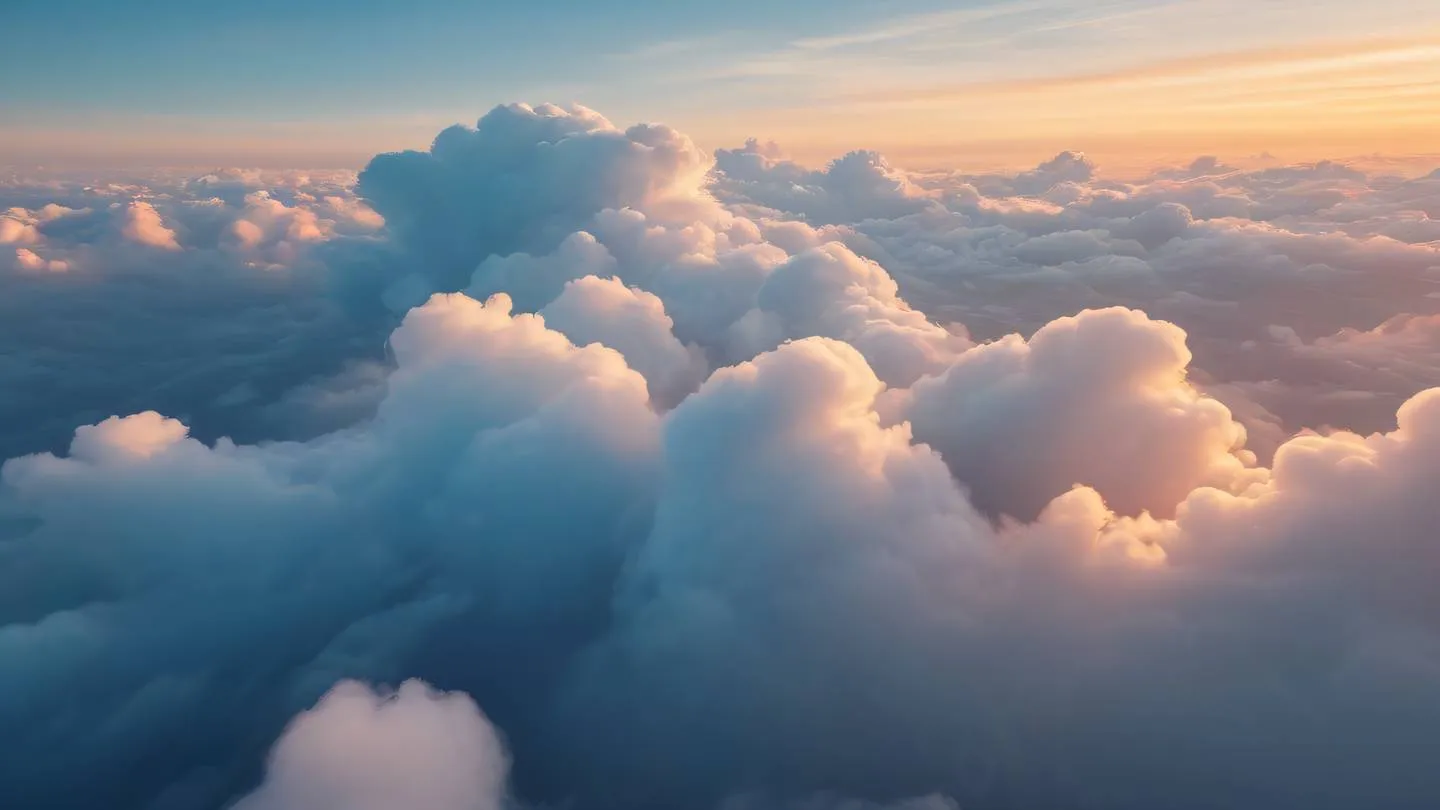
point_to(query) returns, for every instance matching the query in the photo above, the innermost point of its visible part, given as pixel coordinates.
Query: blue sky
(269, 57)
(326, 82)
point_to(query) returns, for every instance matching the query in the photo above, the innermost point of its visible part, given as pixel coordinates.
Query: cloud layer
(719, 483)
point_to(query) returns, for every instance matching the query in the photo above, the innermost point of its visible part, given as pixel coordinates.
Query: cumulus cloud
(1224, 253)
(718, 483)
(1098, 399)
(15, 230)
(860, 185)
(634, 323)
(887, 637)
(1062, 173)
(831, 292)
(27, 259)
(581, 425)
(218, 332)
(365, 751)
(534, 281)
(267, 229)
(143, 225)
(23, 229)
(522, 180)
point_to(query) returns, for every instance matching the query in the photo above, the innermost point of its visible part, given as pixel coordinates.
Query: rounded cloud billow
(523, 179)
(602, 474)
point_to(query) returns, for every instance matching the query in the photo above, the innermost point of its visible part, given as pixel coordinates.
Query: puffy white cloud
(841, 618)
(222, 339)
(269, 232)
(16, 231)
(534, 281)
(143, 225)
(860, 185)
(265, 215)
(707, 273)
(1064, 168)
(484, 410)
(831, 292)
(1226, 254)
(1098, 399)
(27, 259)
(634, 323)
(782, 488)
(19, 226)
(365, 751)
(522, 180)
(135, 437)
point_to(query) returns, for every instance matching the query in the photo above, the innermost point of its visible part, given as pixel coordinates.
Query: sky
(974, 82)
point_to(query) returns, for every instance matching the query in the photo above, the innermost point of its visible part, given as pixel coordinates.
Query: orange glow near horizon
(1335, 100)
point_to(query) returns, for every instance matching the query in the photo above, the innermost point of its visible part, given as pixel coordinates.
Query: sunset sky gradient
(983, 83)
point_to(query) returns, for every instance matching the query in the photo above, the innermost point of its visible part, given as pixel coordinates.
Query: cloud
(1099, 399)
(534, 281)
(215, 332)
(831, 292)
(840, 617)
(416, 747)
(27, 259)
(634, 323)
(1225, 254)
(1064, 168)
(455, 421)
(144, 226)
(23, 228)
(522, 180)
(1355, 378)
(860, 185)
(17, 231)
(273, 233)
(367, 751)
(692, 474)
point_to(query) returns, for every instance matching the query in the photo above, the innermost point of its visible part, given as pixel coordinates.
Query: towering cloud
(523, 179)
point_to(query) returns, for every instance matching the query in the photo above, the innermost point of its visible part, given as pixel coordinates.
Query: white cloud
(851, 621)
(525, 178)
(365, 751)
(830, 292)
(143, 225)
(860, 185)
(702, 500)
(1099, 399)
(634, 323)
(27, 259)
(15, 231)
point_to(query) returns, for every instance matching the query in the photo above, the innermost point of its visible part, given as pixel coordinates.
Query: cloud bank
(719, 483)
